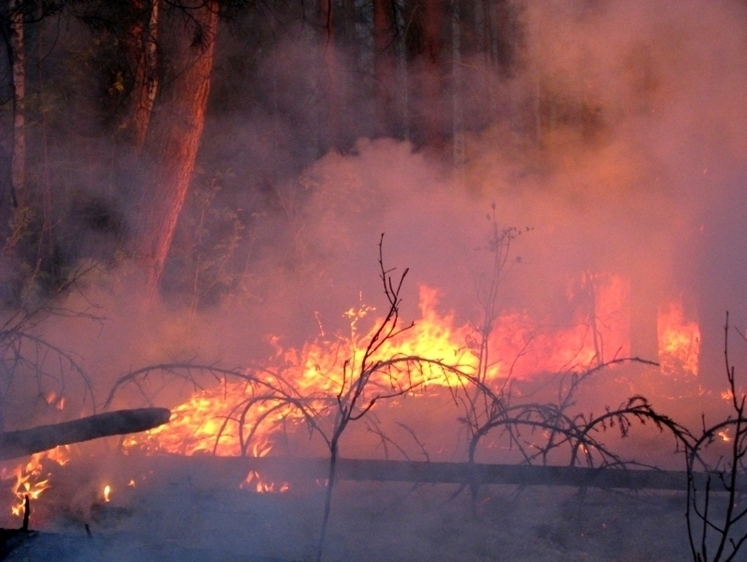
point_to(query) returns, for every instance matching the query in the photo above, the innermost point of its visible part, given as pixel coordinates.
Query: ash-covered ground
(370, 521)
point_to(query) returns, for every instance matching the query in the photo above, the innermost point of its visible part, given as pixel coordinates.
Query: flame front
(244, 417)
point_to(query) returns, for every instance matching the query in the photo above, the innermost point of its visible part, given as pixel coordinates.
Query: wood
(24, 442)
(278, 469)
(187, 37)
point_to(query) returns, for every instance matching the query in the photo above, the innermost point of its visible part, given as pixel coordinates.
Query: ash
(370, 521)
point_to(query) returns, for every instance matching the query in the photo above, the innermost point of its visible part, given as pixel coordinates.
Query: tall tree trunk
(174, 132)
(329, 128)
(457, 100)
(427, 115)
(143, 46)
(432, 79)
(384, 37)
(403, 76)
(18, 161)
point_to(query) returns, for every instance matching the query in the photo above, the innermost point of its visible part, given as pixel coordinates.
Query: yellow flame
(256, 483)
(29, 477)
(679, 341)
(221, 419)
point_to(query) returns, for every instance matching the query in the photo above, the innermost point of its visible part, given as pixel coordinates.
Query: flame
(679, 341)
(243, 417)
(255, 482)
(30, 478)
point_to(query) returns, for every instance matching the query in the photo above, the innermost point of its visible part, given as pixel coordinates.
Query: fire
(679, 341)
(244, 417)
(255, 482)
(30, 478)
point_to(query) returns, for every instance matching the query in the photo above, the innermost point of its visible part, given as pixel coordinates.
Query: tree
(18, 161)
(141, 43)
(385, 32)
(174, 130)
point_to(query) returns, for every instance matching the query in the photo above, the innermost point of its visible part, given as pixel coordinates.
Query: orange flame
(242, 417)
(679, 341)
(30, 478)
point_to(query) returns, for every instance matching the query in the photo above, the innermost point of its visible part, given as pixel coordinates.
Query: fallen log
(278, 469)
(24, 442)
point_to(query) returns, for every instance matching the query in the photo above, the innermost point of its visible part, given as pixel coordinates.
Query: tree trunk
(457, 100)
(431, 79)
(329, 126)
(141, 46)
(384, 37)
(18, 159)
(432, 85)
(174, 131)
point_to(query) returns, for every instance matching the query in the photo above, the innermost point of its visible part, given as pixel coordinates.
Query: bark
(18, 159)
(384, 37)
(403, 77)
(174, 131)
(280, 469)
(15, 444)
(141, 46)
(457, 101)
(432, 83)
(329, 127)
(432, 86)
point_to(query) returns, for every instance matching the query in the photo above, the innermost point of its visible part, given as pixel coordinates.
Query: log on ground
(278, 469)
(24, 442)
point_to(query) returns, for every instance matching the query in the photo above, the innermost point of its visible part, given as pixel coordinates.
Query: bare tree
(369, 380)
(716, 529)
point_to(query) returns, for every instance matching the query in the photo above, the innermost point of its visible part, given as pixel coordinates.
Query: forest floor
(372, 522)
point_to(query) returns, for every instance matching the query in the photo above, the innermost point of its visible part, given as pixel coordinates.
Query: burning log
(24, 442)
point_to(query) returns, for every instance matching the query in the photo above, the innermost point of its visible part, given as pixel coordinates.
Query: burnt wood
(24, 442)
(278, 469)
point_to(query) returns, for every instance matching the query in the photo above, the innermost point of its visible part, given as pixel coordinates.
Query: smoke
(617, 139)
(615, 146)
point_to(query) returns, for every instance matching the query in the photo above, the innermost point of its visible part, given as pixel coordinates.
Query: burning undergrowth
(588, 336)
(373, 392)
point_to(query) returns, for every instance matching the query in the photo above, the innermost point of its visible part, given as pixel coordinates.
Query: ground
(370, 521)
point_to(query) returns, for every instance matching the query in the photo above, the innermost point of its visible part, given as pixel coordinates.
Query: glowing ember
(107, 493)
(679, 341)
